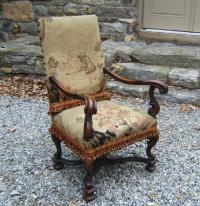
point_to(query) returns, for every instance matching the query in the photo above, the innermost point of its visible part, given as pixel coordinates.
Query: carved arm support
(90, 104)
(163, 89)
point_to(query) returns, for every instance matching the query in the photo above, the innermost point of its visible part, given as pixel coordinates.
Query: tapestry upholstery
(113, 121)
(72, 52)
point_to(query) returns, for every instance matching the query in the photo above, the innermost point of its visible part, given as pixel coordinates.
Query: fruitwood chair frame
(93, 165)
(74, 65)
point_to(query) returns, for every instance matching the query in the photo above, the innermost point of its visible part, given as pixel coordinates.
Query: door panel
(167, 7)
(167, 14)
(196, 26)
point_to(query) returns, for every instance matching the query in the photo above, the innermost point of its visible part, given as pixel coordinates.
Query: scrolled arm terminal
(163, 89)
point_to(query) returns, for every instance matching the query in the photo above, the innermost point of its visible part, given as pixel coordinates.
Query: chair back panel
(72, 52)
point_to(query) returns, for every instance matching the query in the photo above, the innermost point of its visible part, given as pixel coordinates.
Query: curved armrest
(90, 105)
(163, 89)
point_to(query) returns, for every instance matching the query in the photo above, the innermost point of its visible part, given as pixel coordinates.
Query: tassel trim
(57, 107)
(103, 149)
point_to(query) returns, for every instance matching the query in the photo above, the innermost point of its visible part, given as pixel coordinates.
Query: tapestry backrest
(72, 52)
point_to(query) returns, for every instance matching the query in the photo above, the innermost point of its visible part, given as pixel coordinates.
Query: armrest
(163, 89)
(90, 105)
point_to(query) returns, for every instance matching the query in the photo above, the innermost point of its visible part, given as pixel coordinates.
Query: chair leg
(57, 163)
(89, 190)
(151, 142)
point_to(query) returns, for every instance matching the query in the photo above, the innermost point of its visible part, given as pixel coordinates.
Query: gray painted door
(196, 25)
(178, 15)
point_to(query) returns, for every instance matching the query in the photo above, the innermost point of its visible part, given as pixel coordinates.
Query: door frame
(180, 37)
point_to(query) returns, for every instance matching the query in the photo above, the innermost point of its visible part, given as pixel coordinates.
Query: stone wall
(117, 17)
(20, 50)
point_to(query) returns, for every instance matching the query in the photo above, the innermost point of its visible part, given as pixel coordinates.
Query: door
(178, 15)
(196, 26)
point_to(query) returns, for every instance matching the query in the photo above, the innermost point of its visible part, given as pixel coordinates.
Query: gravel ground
(27, 176)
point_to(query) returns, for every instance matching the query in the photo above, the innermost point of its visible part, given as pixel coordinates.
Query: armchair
(83, 116)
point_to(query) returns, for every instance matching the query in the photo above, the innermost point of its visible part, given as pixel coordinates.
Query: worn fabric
(112, 121)
(72, 52)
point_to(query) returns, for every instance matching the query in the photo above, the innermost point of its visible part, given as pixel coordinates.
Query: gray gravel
(27, 176)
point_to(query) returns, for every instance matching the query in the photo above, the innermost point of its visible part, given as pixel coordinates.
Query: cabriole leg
(57, 163)
(151, 142)
(89, 190)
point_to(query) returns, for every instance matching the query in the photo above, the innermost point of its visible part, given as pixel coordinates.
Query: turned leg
(89, 190)
(57, 163)
(151, 142)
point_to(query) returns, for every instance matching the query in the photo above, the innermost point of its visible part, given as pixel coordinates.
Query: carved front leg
(89, 190)
(151, 142)
(58, 165)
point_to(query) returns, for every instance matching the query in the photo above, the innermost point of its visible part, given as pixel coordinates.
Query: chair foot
(89, 194)
(57, 163)
(89, 190)
(151, 142)
(58, 166)
(150, 168)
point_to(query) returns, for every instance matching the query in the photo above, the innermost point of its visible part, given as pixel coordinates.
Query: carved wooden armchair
(83, 116)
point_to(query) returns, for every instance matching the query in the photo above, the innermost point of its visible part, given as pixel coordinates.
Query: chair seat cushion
(112, 121)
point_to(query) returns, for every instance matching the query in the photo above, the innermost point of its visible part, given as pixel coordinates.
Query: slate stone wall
(117, 17)
(20, 50)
